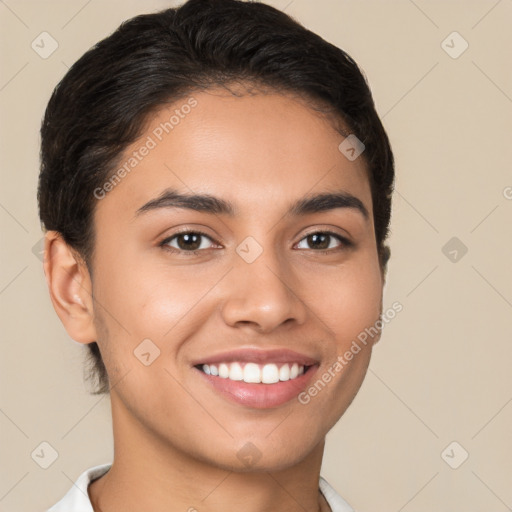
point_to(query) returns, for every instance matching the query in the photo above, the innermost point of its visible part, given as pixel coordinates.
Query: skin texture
(176, 439)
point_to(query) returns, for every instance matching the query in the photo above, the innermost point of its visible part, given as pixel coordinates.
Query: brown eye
(323, 241)
(188, 241)
(319, 241)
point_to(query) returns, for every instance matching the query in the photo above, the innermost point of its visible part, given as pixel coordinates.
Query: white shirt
(77, 498)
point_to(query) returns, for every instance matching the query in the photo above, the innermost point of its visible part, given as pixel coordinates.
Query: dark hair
(105, 100)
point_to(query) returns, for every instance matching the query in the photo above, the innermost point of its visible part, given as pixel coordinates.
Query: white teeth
(224, 371)
(253, 373)
(270, 374)
(236, 372)
(284, 372)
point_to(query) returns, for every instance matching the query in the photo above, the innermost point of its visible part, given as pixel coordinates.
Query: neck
(148, 474)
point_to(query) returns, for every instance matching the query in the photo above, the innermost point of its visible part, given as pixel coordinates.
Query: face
(257, 281)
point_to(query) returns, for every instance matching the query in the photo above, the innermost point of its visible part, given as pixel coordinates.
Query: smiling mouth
(256, 378)
(253, 373)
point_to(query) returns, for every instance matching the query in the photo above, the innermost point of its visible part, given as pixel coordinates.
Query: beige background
(441, 372)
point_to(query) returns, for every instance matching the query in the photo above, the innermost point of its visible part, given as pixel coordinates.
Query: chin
(258, 455)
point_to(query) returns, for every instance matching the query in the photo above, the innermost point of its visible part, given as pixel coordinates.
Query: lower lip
(260, 396)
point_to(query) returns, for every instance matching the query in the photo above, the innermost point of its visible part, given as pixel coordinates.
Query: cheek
(348, 301)
(350, 306)
(143, 293)
(170, 297)
(152, 300)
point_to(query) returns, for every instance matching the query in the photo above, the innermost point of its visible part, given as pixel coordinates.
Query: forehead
(256, 149)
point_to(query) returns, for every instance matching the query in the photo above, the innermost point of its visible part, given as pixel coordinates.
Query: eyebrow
(207, 203)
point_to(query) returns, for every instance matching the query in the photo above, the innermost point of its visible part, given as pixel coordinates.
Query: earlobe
(70, 288)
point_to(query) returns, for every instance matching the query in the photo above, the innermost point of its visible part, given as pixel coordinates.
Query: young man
(216, 190)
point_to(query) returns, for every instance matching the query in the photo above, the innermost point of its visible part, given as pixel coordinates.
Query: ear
(70, 288)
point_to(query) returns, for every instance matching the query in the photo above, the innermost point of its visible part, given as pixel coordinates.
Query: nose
(262, 294)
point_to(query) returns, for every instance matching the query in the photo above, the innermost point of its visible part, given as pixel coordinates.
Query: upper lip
(261, 356)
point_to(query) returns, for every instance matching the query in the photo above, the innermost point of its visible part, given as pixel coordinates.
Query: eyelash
(345, 243)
